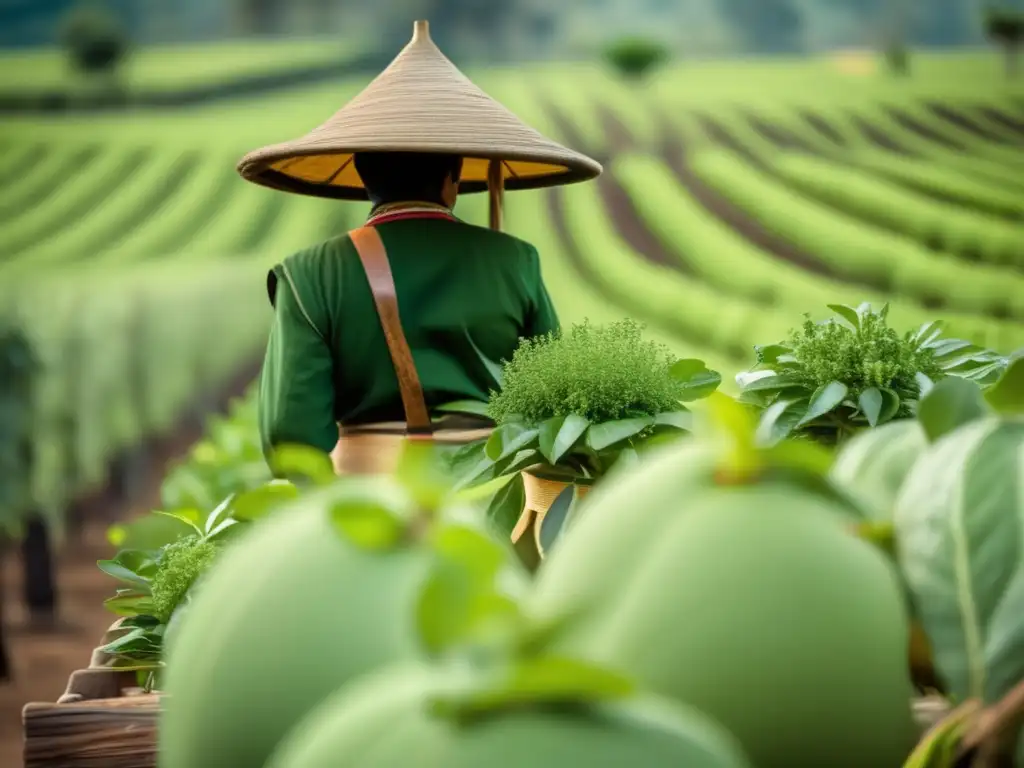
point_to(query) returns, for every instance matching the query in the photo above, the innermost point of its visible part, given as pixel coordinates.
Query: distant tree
(94, 39)
(1005, 27)
(766, 26)
(635, 57)
(18, 368)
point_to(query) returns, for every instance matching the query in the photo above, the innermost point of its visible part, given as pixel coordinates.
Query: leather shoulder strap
(375, 262)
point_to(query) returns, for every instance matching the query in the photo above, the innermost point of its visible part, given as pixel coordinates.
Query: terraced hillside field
(736, 198)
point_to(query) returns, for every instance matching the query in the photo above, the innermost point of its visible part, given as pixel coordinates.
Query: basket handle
(374, 258)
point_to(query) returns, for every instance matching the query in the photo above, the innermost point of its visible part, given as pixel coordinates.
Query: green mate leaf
(539, 680)
(509, 439)
(768, 354)
(129, 603)
(890, 405)
(779, 420)
(191, 517)
(368, 525)
(507, 506)
(768, 380)
(601, 436)
(924, 383)
(1007, 394)
(871, 402)
(422, 473)
(302, 462)
(939, 747)
(571, 431)
(259, 502)
(120, 572)
(548, 433)
(849, 314)
(472, 407)
(959, 523)
(459, 595)
(949, 405)
(824, 401)
(697, 379)
(554, 521)
(679, 419)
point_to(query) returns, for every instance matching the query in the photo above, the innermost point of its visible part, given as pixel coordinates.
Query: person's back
(415, 136)
(466, 296)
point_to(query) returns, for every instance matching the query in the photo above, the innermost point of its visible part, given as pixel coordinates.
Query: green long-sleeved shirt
(466, 296)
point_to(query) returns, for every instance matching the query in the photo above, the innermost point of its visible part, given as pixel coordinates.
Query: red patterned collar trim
(400, 211)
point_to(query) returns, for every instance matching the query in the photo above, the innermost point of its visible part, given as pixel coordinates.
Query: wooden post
(496, 190)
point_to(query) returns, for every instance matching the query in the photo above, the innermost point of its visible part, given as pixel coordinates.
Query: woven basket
(540, 495)
(375, 449)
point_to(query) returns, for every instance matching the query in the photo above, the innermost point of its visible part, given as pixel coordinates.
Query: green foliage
(959, 520)
(1005, 25)
(599, 373)
(180, 564)
(843, 374)
(18, 368)
(635, 57)
(574, 405)
(93, 38)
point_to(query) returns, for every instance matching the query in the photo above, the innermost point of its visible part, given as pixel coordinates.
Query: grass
(137, 256)
(173, 67)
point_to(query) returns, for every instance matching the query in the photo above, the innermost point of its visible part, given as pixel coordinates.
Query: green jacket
(466, 296)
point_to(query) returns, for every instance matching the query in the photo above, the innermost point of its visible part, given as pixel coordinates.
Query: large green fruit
(386, 722)
(616, 526)
(290, 613)
(753, 605)
(874, 464)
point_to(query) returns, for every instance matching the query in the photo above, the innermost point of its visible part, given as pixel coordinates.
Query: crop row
(117, 204)
(732, 266)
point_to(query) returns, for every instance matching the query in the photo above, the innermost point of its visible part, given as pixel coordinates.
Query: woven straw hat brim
(420, 103)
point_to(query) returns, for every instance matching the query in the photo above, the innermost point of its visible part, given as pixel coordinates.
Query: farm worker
(344, 372)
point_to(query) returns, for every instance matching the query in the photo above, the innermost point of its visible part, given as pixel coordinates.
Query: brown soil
(1012, 122)
(967, 123)
(726, 211)
(43, 658)
(878, 137)
(779, 136)
(721, 136)
(923, 130)
(823, 127)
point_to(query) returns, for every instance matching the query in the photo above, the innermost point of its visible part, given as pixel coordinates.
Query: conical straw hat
(420, 103)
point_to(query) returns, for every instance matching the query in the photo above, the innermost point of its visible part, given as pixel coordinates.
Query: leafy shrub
(834, 377)
(1005, 27)
(635, 57)
(599, 373)
(180, 565)
(17, 374)
(897, 57)
(93, 38)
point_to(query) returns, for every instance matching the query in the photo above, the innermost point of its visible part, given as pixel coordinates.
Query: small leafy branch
(578, 403)
(1005, 27)
(835, 377)
(180, 547)
(18, 369)
(635, 57)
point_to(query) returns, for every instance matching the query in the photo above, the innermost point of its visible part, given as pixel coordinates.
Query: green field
(737, 196)
(169, 67)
